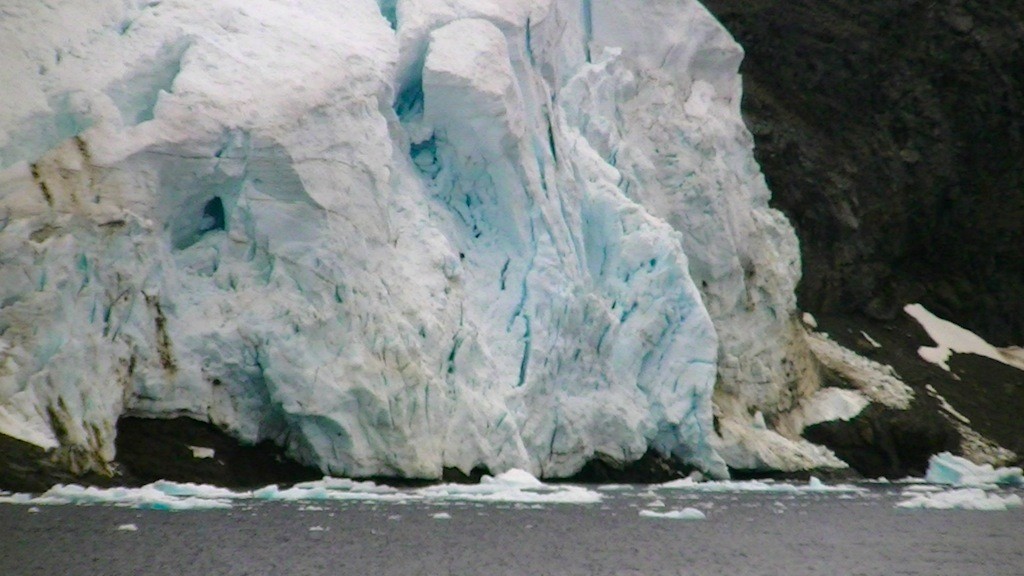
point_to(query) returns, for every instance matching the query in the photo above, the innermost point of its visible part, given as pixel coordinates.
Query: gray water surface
(766, 534)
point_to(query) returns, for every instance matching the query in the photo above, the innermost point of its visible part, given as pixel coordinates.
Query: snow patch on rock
(950, 338)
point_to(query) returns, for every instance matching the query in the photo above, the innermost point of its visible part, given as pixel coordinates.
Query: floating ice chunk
(963, 498)
(684, 514)
(813, 485)
(128, 528)
(513, 486)
(348, 484)
(497, 491)
(328, 488)
(951, 338)
(614, 487)
(441, 516)
(151, 496)
(922, 488)
(16, 498)
(317, 529)
(196, 490)
(322, 490)
(158, 496)
(513, 477)
(946, 468)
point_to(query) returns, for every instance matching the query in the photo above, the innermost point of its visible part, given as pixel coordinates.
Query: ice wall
(392, 237)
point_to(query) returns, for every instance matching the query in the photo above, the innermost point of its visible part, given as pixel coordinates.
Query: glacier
(394, 237)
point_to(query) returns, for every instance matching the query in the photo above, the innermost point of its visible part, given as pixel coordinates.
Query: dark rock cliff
(891, 133)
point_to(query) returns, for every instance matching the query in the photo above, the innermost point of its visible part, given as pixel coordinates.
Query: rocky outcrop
(892, 135)
(884, 442)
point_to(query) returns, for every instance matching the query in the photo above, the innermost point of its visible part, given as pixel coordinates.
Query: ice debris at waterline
(814, 485)
(512, 486)
(515, 486)
(946, 468)
(962, 498)
(519, 234)
(156, 496)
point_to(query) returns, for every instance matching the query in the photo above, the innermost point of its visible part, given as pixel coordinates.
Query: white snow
(963, 498)
(950, 338)
(200, 452)
(128, 527)
(945, 468)
(501, 234)
(441, 516)
(874, 343)
(809, 320)
(945, 405)
(684, 514)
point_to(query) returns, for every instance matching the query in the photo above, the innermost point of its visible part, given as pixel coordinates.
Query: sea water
(743, 529)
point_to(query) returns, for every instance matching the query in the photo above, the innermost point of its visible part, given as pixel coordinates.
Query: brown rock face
(891, 133)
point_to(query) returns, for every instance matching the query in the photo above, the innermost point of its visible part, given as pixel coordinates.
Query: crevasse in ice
(390, 237)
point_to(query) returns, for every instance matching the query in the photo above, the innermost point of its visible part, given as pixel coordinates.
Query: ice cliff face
(392, 237)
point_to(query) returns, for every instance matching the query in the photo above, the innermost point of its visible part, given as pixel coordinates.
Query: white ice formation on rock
(392, 237)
